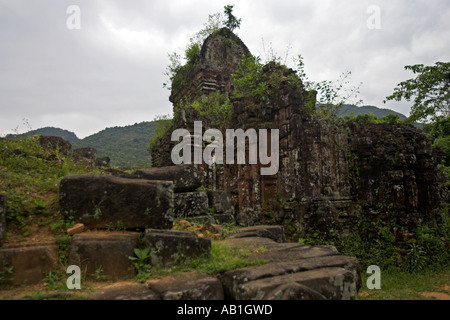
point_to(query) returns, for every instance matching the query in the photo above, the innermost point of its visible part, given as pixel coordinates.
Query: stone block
(224, 218)
(125, 291)
(30, 261)
(55, 144)
(221, 202)
(325, 283)
(191, 204)
(188, 286)
(220, 218)
(102, 162)
(275, 233)
(2, 218)
(78, 228)
(172, 246)
(100, 201)
(108, 251)
(85, 154)
(185, 177)
(234, 279)
(292, 271)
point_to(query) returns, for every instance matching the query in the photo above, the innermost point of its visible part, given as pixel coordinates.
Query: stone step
(173, 246)
(110, 251)
(275, 233)
(220, 218)
(291, 271)
(107, 252)
(186, 286)
(30, 261)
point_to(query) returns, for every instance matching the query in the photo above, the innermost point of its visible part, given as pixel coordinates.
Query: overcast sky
(109, 72)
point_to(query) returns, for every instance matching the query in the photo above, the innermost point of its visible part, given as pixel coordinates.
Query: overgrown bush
(214, 109)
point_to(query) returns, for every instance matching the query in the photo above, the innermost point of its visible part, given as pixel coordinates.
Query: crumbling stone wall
(331, 173)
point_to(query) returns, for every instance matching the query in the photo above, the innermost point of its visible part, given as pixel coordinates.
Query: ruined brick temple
(331, 174)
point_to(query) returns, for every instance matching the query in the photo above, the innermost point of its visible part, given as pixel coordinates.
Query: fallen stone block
(331, 283)
(220, 218)
(234, 279)
(292, 271)
(224, 218)
(29, 261)
(105, 251)
(293, 251)
(54, 143)
(125, 291)
(102, 162)
(85, 154)
(293, 291)
(171, 246)
(277, 252)
(191, 204)
(187, 286)
(2, 218)
(185, 177)
(100, 201)
(275, 233)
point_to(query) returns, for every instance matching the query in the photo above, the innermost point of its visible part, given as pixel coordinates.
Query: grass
(401, 285)
(223, 258)
(29, 176)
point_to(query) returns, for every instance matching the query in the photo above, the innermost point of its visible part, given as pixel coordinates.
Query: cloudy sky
(109, 71)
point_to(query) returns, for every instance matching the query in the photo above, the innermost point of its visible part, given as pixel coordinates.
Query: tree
(430, 91)
(371, 118)
(330, 97)
(232, 22)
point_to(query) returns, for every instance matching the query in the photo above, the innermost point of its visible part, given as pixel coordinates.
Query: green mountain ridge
(347, 109)
(50, 131)
(128, 146)
(125, 146)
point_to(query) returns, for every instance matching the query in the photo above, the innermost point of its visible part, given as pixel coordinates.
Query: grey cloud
(86, 80)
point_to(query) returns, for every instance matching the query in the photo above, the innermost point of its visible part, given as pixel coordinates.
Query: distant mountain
(125, 146)
(347, 109)
(50, 131)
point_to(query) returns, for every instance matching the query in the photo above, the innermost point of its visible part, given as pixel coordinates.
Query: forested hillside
(125, 146)
(347, 109)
